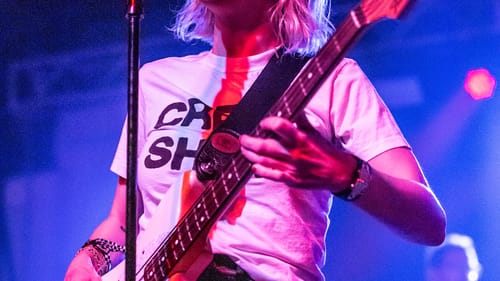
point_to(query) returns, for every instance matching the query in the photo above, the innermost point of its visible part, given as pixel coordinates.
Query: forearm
(112, 230)
(109, 236)
(406, 206)
(105, 247)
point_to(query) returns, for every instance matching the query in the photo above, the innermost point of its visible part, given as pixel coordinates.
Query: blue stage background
(63, 103)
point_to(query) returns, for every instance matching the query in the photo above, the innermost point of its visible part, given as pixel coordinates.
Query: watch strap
(362, 177)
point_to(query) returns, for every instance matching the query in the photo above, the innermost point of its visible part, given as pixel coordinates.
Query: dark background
(63, 102)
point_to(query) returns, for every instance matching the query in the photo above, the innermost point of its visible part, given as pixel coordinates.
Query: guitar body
(167, 215)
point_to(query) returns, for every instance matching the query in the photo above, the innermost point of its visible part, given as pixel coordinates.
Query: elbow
(435, 230)
(428, 229)
(436, 236)
(440, 232)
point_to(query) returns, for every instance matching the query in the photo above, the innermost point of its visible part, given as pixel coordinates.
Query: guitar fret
(224, 181)
(303, 88)
(186, 235)
(164, 258)
(152, 274)
(287, 107)
(188, 221)
(222, 193)
(169, 262)
(214, 196)
(180, 241)
(354, 17)
(196, 221)
(199, 216)
(209, 204)
(338, 48)
(225, 187)
(188, 229)
(235, 170)
(207, 214)
(319, 66)
(174, 253)
(162, 270)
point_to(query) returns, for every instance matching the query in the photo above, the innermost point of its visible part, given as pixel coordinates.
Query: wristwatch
(362, 177)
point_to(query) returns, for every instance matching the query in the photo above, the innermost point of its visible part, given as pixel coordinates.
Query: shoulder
(349, 68)
(178, 72)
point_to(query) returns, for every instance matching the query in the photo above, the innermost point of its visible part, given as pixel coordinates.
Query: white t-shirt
(278, 233)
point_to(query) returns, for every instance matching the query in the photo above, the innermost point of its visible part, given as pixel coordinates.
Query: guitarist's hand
(298, 157)
(81, 269)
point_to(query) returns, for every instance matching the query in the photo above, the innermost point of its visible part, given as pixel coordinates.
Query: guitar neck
(195, 224)
(319, 67)
(220, 193)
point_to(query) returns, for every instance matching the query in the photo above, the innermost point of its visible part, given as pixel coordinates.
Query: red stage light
(479, 83)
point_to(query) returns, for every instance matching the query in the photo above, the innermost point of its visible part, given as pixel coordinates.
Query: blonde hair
(302, 26)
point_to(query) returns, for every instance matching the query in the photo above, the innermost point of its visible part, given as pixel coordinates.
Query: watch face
(362, 182)
(358, 188)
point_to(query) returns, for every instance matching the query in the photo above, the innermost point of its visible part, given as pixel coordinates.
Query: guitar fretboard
(218, 194)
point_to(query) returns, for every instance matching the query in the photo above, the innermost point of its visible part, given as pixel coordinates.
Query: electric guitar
(176, 249)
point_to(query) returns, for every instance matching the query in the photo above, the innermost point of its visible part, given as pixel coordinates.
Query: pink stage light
(479, 83)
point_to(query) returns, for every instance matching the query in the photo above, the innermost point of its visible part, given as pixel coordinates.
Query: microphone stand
(134, 15)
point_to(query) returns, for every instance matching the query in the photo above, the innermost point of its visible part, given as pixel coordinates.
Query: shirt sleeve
(361, 120)
(119, 164)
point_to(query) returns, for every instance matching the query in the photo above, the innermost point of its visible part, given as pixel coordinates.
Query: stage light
(479, 83)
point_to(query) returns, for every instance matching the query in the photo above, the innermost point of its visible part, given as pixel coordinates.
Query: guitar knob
(215, 154)
(206, 171)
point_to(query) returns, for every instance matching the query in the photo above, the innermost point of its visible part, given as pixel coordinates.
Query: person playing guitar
(344, 143)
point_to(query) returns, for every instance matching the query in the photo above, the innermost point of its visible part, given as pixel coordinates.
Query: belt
(223, 268)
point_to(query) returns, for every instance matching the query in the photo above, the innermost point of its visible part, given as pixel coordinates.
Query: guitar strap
(269, 86)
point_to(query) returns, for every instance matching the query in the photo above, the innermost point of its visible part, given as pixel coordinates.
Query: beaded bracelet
(98, 250)
(98, 259)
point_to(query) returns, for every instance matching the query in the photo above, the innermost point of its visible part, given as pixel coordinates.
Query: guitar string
(286, 99)
(294, 98)
(303, 87)
(175, 234)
